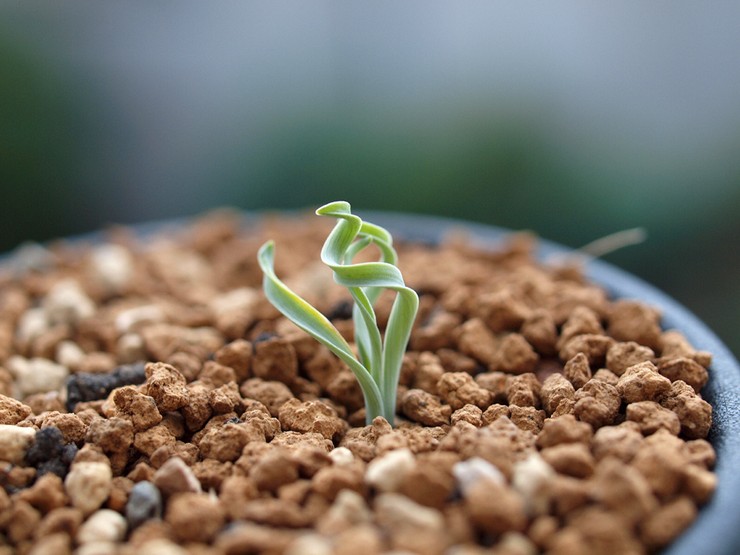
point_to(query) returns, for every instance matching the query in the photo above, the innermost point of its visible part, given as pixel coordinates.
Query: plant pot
(713, 531)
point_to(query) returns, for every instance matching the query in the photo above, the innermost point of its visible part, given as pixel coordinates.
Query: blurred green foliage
(40, 154)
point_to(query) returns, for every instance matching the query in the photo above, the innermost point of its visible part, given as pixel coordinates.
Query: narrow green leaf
(310, 320)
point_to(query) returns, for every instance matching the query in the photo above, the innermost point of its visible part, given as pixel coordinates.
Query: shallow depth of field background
(573, 120)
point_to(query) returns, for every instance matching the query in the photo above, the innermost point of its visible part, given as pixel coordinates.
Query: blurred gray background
(570, 119)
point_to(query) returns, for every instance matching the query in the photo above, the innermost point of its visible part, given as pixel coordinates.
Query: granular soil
(153, 402)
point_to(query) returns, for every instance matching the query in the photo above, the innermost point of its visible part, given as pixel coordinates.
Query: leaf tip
(338, 206)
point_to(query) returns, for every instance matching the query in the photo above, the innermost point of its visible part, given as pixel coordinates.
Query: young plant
(378, 364)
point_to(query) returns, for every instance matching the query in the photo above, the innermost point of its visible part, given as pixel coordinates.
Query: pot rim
(715, 529)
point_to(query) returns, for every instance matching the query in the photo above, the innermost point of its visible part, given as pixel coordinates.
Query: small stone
(274, 470)
(97, 548)
(515, 356)
(194, 517)
(556, 389)
(621, 442)
(581, 321)
(53, 544)
(46, 494)
(458, 389)
(69, 354)
(540, 331)
(144, 503)
(166, 385)
(477, 341)
(666, 523)
(425, 408)
(474, 470)
(102, 526)
(311, 416)
(12, 411)
(174, 476)
(271, 394)
(651, 417)
(400, 510)
(597, 403)
(71, 426)
(564, 429)
(36, 375)
(310, 544)
(88, 485)
(642, 382)
(572, 459)
(67, 303)
(128, 320)
(387, 473)
(684, 369)
(112, 266)
(112, 435)
(31, 324)
(468, 413)
(495, 508)
(130, 348)
(225, 443)
(530, 479)
(577, 370)
(341, 456)
(634, 321)
(14, 442)
(139, 408)
(622, 355)
(161, 546)
(694, 412)
(275, 360)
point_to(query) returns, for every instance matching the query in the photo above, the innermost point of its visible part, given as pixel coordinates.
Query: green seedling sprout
(378, 364)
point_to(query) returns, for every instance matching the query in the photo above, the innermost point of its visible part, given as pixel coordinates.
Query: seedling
(377, 365)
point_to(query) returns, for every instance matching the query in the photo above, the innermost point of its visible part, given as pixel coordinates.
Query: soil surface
(153, 402)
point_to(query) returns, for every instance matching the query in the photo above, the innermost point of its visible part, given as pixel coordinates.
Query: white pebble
(387, 473)
(14, 442)
(341, 456)
(31, 257)
(310, 544)
(400, 509)
(470, 472)
(67, 303)
(88, 485)
(102, 526)
(530, 478)
(236, 300)
(37, 375)
(130, 348)
(350, 506)
(127, 319)
(31, 325)
(113, 266)
(69, 354)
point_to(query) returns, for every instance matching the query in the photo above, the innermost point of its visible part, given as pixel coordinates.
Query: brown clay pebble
(194, 517)
(534, 414)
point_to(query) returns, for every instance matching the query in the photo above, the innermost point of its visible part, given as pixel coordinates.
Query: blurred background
(573, 120)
